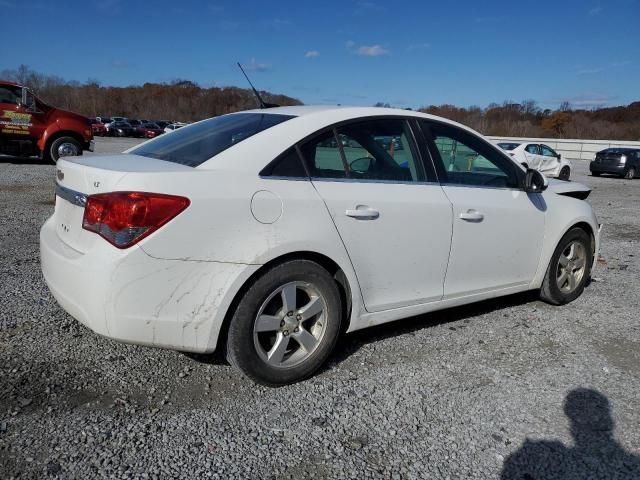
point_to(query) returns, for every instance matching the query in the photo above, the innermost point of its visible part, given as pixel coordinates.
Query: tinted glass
(508, 146)
(547, 151)
(286, 165)
(379, 150)
(323, 157)
(532, 148)
(197, 143)
(10, 94)
(465, 159)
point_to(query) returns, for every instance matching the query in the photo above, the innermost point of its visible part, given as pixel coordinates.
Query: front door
(395, 224)
(498, 229)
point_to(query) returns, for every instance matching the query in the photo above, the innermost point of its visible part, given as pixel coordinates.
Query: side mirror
(534, 181)
(361, 165)
(559, 156)
(27, 101)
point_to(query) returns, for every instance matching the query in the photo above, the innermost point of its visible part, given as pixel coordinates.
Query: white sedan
(268, 233)
(539, 156)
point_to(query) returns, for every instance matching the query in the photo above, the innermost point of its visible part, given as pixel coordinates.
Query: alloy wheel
(571, 266)
(290, 325)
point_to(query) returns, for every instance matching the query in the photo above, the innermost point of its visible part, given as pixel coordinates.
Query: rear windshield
(508, 146)
(197, 143)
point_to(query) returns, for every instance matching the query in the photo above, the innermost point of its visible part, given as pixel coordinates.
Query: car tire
(569, 268)
(630, 174)
(59, 146)
(286, 324)
(565, 173)
(595, 174)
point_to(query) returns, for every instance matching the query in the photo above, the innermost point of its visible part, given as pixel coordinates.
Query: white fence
(572, 149)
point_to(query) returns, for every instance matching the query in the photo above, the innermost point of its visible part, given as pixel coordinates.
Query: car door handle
(363, 212)
(472, 216)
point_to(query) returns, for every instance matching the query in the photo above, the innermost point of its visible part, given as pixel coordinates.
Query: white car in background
(173, 126)
(539, 156)
(268, 233)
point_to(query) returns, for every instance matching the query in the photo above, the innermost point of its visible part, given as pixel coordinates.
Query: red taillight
(125, 218)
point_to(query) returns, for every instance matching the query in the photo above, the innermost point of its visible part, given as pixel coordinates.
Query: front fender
(72, 126)
(563, 213)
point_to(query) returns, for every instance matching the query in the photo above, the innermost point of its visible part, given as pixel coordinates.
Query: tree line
(179, 100)
(184, 100)
(527, 119)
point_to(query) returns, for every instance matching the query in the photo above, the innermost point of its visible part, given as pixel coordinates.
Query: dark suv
(624, 162)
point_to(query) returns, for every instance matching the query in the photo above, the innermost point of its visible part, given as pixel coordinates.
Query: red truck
(30, 127)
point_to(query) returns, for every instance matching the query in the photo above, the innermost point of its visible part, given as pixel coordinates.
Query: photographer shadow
(595, 454)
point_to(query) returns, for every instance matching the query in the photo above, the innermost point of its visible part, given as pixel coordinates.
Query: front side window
(548, 151)
(197, 143)
(10, 94)
(465, 159)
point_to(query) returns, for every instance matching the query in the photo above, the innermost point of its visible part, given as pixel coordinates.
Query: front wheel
(565, 173)
(630, 174)
(63, 147)
(569, 268)
(286, 325)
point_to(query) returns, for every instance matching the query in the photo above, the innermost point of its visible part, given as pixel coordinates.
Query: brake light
(125, 218)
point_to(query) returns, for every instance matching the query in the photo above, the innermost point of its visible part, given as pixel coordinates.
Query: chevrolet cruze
(268, 233)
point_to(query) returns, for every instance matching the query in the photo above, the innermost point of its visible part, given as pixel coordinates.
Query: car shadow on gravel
(23, 160)
(595, 452)
(351, 343)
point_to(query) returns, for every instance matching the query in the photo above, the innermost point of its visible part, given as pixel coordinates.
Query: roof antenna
(261, 102)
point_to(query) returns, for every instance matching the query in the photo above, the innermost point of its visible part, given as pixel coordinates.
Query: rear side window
(194, 144)
(288, 164)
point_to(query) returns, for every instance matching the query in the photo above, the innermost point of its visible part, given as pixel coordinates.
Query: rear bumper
(134, 298)
(606, 168)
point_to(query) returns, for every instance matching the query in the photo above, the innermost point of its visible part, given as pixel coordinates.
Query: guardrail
(573, 149)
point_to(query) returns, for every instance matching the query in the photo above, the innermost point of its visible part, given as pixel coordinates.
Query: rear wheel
(569, 268)
(286, 325)
(63, 147)
(630, 174)
(565, 173)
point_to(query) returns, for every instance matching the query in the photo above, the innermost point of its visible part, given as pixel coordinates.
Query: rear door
(393, 218)
(498, 229)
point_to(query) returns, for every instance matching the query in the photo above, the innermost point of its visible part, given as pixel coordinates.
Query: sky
(351, 52)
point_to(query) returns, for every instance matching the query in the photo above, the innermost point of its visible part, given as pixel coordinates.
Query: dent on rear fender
(170, 303)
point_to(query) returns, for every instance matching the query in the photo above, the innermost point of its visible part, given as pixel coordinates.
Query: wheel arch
(61, 133)
(547, 255)
(335, 270)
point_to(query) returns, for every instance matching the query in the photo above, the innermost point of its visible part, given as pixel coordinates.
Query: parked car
(624, 162)
(120, 129)
(148, 130)
(30, 127)
(115, 119)
(98, 128)
(156, 246)
(174, 126)
(162, 123)
(539, 156)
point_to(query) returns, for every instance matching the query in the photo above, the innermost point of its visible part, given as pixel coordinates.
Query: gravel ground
(498, 388)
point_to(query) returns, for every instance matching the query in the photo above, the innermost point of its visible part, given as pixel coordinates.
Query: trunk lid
(77, 178)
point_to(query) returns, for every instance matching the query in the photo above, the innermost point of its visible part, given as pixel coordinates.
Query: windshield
(197, 143)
